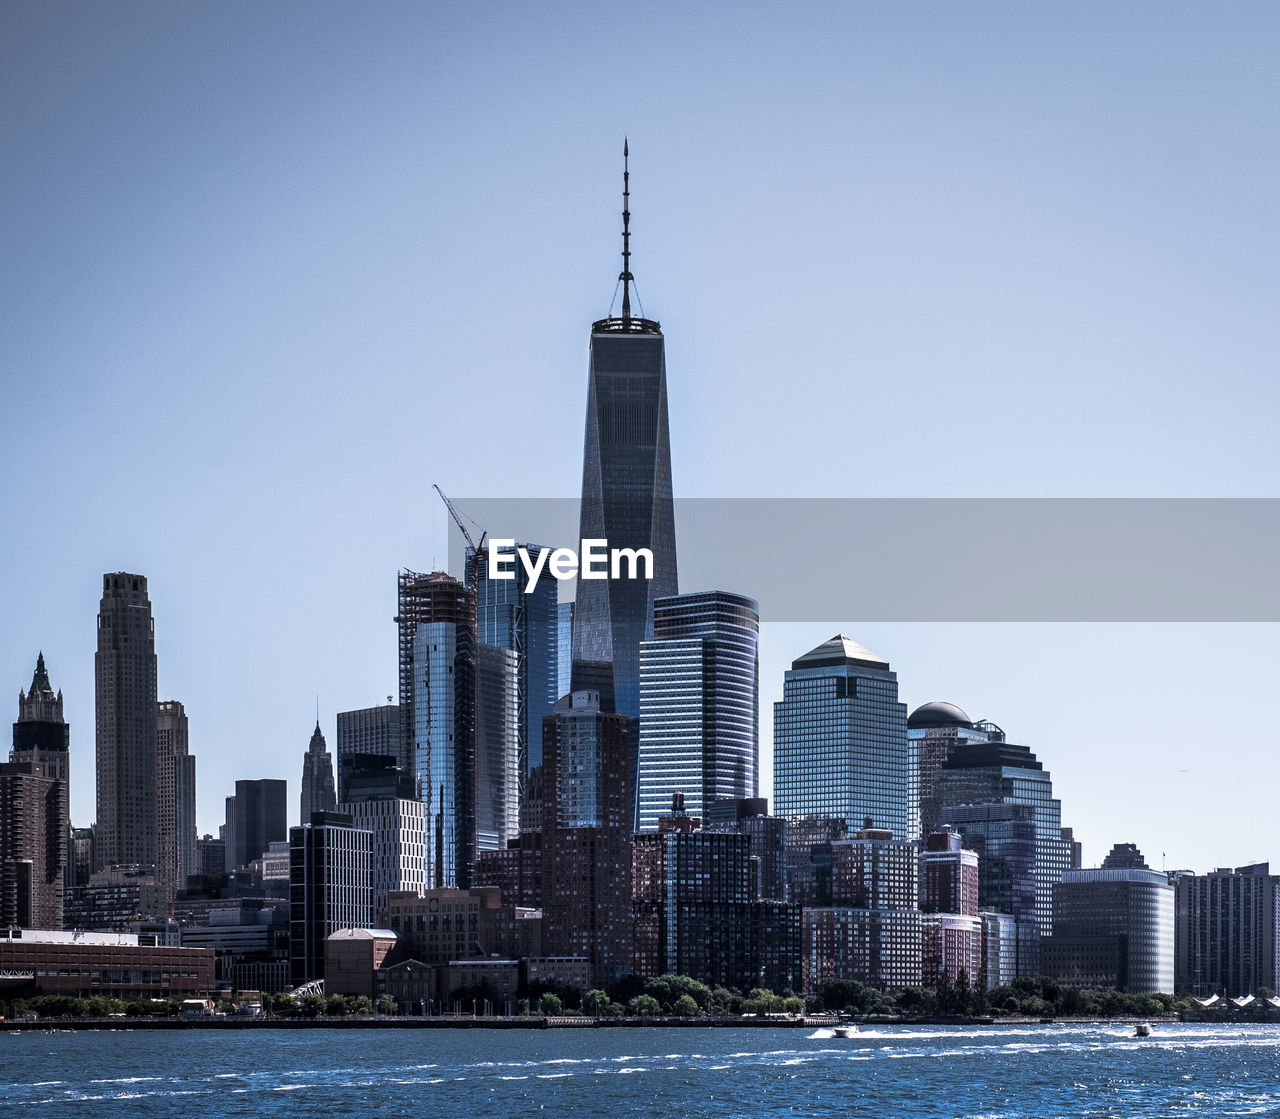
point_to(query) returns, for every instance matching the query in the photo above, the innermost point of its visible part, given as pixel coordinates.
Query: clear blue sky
(270, 270)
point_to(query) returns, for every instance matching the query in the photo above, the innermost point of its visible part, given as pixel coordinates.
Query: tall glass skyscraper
(840, 741)
(497, 747)
(509, 616)
(980, 774)
(699, 686)
(443, 659)
(626, 496)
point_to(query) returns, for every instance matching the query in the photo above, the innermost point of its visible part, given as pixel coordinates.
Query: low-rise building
(352, 959)
(83, 964)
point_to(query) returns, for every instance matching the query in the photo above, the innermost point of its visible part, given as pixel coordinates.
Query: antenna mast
(626, 276)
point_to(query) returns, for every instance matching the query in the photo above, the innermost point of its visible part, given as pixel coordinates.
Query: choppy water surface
(976, 1073)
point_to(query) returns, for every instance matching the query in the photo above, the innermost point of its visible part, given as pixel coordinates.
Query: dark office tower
(509, 616)
(330, 888)
(840, 741)
(808, 841)
(699, 687)
(626, 493)
(749, 816)
(41, 737)
(261, 818)
(79, 858)
(586, 836)
(33, 847)
(318, 792)
(125, 685)
(1227, 926)
(437, 622)
(211, 857)
(997, 775)
(1113, 927)
(691, 904)
(369, 730)
(497, 747)
(175, 800)
(933, 731)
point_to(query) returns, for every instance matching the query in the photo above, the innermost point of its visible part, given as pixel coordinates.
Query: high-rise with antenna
(626, 491)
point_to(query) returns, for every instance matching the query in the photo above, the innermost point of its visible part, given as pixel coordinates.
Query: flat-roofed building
(1113, 927)
(352, 958)
(83, 964)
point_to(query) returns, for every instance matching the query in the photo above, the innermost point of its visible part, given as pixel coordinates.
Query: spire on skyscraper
(626, 277)
(319, 793)
(40, 686)
(626, 323)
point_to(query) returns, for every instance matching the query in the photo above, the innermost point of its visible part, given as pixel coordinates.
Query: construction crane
(474, 548)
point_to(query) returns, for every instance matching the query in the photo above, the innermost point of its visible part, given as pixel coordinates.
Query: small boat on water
(1142, 1030)
(846, 1030)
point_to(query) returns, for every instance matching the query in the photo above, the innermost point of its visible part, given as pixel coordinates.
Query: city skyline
(1057, 291)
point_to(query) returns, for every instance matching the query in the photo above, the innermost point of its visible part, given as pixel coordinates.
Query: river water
(972, 1072)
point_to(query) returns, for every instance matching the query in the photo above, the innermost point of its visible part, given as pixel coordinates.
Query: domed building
(934, 729)
(938, 715)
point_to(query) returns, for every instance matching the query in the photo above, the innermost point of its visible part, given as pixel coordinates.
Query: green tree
(846, 994)
(284, 1003)
(668, 988)
(720, 1001)
(337, 1006)
(313, 1005)
(388, 1005)
(361, 1004)
(917, 1001)
(595, 1002)
(762, 1001)
(551, 1004)
(685, 1007)
(644, 1006)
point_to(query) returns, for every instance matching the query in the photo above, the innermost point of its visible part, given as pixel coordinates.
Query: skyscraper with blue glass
(840, 741)
(510, 616)
(626, 496)
(440, 614)
(626, 487)
(699, 683)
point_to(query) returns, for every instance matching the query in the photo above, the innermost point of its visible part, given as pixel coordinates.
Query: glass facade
(508, 616)
(1113, 927)
(497, 748)
(699, 687)
(330, 888)
(442, 656)
(369, 730)
(1001, 773)
(626, 500)
(840, 744)
(564, 648)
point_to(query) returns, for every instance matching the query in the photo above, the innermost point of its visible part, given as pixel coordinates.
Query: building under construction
(437, 631)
